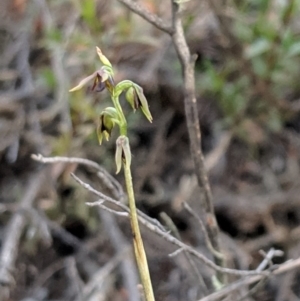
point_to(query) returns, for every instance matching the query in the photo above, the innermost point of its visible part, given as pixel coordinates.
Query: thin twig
(147, 15)
(166, 235)
(76, 283)
(267, 261)
(176, 252)
(152, 224)
(57, 61)
(192, 119)
(13, 232)
(100, 204)
(285, 267)
(128, 268)
(66, 236)
(98, 283)
(101, 172)
(203, 229)
(268, 258)
(171, 225)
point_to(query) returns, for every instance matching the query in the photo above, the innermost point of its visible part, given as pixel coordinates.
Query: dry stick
(76, 284)
(202, 227)
(137, 240)
(128, 268)
(170, 224)
(191, 111)
(266, 262)
(285, 267)
(14, 230)
(152, 224)
(101, 173)
(111, 180)
(147, 15)
(98, 280)
(57, 62)
(155, 229)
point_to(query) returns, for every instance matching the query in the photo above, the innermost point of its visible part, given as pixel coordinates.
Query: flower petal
(99, 87)
(83, 82)
(143, 102)
(103, 58)
(118, 155)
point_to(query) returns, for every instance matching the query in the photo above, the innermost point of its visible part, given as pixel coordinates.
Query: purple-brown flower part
(102, 79)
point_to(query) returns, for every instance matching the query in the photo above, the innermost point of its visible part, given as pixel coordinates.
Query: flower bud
(131, 97)
(143, 103)
(123, 153)
(112, 113)
(104, 60)
(104, 127)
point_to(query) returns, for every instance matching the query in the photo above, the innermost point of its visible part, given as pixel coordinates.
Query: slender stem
(137, 238)
(123, 122)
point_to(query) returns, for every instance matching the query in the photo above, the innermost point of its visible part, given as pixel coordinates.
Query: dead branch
(147, 15)
(150, 223)
(128, 268)
(285, 267)
(57, 61)
(192, 119)
(145, 221)
(13, 232)
(202, 227)
(97, 287)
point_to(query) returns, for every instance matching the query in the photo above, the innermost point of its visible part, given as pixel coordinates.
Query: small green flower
(102, 77)
(104, 128)
(107, 120)
(123, 153)
(136, 98)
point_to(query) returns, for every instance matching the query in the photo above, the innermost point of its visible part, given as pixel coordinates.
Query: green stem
(137, 239)
(123, 122)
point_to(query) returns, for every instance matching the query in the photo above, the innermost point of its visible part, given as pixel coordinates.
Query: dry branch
(285, 267)
(57, 61)
(147, 15)
(152, 224)
(13, 233)
(119, 243)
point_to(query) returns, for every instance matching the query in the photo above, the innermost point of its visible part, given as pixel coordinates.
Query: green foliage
(88, 13)
(265, 73)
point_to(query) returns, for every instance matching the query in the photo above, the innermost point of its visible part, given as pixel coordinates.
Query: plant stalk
(137, 238)
(123, 122)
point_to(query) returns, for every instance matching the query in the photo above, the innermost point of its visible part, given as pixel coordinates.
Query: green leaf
(294, 50)
(257, 48)
(88, 10)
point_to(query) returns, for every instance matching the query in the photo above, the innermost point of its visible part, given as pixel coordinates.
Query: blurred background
(248, 93)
